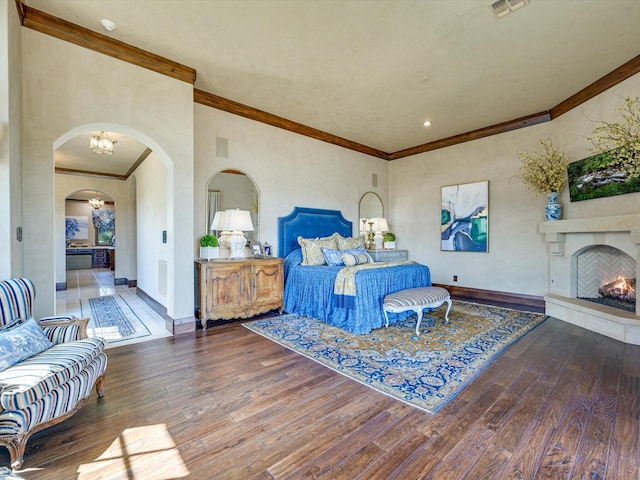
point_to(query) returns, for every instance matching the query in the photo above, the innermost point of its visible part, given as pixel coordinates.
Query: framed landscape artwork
(599, 176)
(77, 228)
(465, 217)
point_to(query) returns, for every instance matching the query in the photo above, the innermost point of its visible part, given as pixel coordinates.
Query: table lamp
(238, 222)
(379, 226)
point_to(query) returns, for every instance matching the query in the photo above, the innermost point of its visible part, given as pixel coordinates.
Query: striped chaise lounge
(47, 367)
(416, 299)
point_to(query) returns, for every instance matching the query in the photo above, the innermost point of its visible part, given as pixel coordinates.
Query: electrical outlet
(455, 278)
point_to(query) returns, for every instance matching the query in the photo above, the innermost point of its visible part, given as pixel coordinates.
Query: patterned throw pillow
(21, 342)
(312, 249)
(333, 257)
(349, 243)
(351, 259)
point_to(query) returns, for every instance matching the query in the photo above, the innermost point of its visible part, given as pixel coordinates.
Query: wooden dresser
(227, 289)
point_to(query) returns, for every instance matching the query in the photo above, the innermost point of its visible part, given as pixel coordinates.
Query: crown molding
(64, 30)
(56, 27)
(220, 103)
(521, 122)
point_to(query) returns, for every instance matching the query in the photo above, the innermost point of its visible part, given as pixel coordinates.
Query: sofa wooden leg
(99, 386)
(16, 446)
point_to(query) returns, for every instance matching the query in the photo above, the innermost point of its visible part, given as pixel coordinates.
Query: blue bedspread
(309, 291)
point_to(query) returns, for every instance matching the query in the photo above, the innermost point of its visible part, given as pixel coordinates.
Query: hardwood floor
(562, 402)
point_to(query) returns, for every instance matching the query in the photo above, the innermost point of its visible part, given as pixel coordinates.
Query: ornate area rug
(113, 319)
(425, 371)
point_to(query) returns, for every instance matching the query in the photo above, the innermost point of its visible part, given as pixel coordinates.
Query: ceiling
(372, 71)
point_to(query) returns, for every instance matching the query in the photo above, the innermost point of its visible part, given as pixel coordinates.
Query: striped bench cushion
(34, 378)
(415, 297)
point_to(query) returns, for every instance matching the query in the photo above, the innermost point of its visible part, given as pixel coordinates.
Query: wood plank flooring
(228, 404)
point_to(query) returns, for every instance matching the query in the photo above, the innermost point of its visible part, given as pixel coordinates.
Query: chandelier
(96, 203)
(101, 144)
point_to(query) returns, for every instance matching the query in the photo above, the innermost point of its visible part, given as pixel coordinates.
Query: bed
(309, 290)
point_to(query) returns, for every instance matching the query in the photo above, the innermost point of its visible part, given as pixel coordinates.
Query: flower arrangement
(621, 140)
(544, 172)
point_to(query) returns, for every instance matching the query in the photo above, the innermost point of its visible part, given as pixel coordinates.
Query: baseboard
(494, 296)
(132, 283)
(120, 281)
(61, 286)
(175, 326)
(152, 302)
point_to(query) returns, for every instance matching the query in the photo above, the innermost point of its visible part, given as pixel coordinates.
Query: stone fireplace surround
(567, 239)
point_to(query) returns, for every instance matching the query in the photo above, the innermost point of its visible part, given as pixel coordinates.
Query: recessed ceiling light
(427, 123)
(108, 25)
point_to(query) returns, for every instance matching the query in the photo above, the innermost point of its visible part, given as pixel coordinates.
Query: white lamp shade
(237, 220)
(379, 224)
(218, 220)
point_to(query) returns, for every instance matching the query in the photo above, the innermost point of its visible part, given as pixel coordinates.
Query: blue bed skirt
(309, 291)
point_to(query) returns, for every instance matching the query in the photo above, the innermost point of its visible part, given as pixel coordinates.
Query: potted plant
(545, 173)
(389, 241)
(209, 247)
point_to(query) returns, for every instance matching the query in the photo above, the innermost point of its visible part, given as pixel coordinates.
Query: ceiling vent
(501, 8)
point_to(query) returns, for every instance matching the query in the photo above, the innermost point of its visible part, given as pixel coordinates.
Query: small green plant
(389, 237)
(209, 241)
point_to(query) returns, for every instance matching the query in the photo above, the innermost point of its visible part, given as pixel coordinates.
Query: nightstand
(389, 255)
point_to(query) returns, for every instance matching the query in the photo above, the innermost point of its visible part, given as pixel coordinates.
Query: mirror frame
(360, 215)
(256, 200)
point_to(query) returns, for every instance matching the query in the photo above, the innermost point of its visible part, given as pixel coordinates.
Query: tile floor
(90, 283)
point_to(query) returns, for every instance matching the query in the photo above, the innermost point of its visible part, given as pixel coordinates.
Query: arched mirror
(232, 189)
(370, 207)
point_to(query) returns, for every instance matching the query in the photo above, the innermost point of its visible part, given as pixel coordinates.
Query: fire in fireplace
(620, 289)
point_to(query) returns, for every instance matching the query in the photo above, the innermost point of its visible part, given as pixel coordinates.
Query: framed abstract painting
(465, 217)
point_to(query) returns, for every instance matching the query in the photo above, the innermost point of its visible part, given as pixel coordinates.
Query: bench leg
(419, 313)
(446, 315)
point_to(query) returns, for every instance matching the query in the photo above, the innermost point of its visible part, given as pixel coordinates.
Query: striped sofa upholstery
(52, 385)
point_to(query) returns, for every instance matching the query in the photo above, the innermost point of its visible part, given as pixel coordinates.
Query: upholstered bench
(416, 299)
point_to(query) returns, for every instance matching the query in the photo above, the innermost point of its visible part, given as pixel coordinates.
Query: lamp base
(378, 240)
(237, 242)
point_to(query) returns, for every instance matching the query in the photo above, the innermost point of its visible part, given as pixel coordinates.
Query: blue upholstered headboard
(309, 223)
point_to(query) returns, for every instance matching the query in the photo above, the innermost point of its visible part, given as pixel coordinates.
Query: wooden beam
(137, 163)
(611, 79)
(20, 7)
(214, 101)
(521, 122)
(87, 173)
(56, 27)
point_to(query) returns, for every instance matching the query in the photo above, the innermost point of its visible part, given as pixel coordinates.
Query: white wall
(289, 169)
(517, 261)
(69, 89)
(152, 218)
(11, 250)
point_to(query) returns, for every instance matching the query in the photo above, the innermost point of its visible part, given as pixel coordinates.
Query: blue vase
(553, 209)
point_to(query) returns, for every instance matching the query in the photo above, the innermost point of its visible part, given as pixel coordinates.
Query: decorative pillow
(349, 243)
(312, 249)
(14, 323)
(21, 342)
(333, 257)
(351, 259)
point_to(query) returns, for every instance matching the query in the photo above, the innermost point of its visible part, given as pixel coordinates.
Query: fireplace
(586, 255)
(606, 275)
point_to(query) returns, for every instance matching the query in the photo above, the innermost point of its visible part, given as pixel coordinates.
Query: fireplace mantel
(567, 238)
(555, 231)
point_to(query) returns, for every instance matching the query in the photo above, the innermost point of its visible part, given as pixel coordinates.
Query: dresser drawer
(389, 255)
